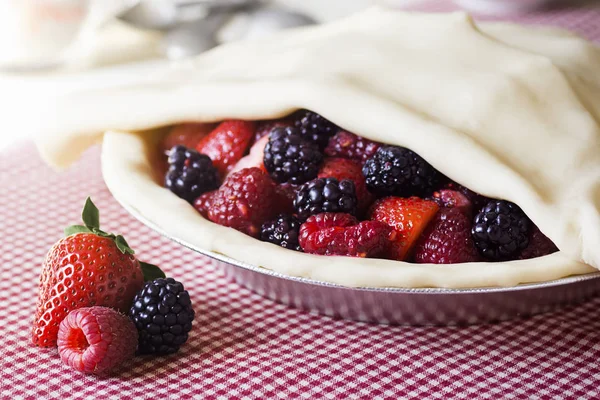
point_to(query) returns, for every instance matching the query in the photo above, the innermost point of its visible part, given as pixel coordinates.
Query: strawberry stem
(91, 219)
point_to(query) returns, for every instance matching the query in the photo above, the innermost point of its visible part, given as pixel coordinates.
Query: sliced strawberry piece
(342, 168)
(254, 158)
(227, 143)
(187, 134)
(408, 216)
(343, 235)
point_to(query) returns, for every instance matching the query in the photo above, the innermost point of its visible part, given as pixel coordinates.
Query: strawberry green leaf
(151, 271)
(73, 229)
(90, 215)
(123, 246)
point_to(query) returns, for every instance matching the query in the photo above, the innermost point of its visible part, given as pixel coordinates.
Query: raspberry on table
(245, 201)
(162, 313)
(325, 195)
(96, 340)
(348, 145)
(447, 239)
(290, 158)
(397, 171)
(314, 128)
(539, 245)
(190, 173)
(343, 235)
(282, 231)
(501, 230)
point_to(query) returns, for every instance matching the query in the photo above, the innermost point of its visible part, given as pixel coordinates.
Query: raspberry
(289, 158)
(314, 127)
(203, 203)
(282, 231)
(227, 143)
(447, 239)
(190, 173)
(343, 235)
(397, 171)
(348, 145)
(342, 168)
(501, 230)
(163, 314)
(325, 195)
(539, 245)
(95, 340)
(245, 201)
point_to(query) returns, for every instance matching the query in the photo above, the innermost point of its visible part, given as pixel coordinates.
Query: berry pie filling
(307, 185)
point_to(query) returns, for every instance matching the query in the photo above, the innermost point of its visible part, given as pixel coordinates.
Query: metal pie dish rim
(434, 291)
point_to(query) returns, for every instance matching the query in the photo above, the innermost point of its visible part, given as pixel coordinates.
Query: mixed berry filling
(305, 184)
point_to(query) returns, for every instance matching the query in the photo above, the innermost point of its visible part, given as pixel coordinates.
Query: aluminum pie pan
(400, 306)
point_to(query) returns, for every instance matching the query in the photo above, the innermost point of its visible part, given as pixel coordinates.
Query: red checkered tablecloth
(244, 346)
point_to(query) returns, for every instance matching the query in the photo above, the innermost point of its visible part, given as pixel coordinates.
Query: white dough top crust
(510, 112)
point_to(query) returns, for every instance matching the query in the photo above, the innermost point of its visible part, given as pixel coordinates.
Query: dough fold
(508, 111)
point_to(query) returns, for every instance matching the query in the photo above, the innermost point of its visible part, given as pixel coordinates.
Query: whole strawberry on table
(100, 305)
(303, 183)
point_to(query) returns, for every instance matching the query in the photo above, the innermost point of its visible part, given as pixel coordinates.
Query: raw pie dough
(508, 111)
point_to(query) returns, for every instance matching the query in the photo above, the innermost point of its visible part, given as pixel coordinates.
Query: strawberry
(227, 143)
(254, 158)
(408, 216)
(88, 267)
(340, 234)
(342, 168)
(187, 134)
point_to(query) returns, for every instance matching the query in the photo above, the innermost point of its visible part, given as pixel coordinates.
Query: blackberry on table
(397, 171)
(162, 313)
(314, 127)
(190, 173)
(282, 231)
(325, 195)
(290, 158)
(501, 230)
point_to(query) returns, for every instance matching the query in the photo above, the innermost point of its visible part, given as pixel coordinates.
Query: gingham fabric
(244, 346)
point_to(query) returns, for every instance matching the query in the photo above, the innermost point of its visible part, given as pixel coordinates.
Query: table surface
(244, 346)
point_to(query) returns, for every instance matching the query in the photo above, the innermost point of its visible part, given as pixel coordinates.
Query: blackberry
(501, 230)
(289, 158)
(314, 127)
(325, 195)
(397, 171)
(163, 315)
(190, 173)
(282, 231)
